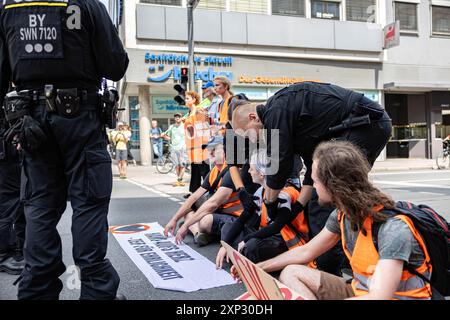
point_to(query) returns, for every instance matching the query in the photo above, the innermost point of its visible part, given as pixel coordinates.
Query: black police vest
(48, 43)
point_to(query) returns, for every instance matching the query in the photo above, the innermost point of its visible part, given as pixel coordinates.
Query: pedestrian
(121, 137)
(12, 217)
(197, 133)
(55, 114)
(175, 135)
(393, 268)
(130, 156)
(305, 114)
(157, 142)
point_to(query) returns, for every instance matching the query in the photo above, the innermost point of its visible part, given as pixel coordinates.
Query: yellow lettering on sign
(269, 80)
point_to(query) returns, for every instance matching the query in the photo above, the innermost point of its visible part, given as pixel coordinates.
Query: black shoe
(203, 239)
(120, 296)
(12, 266)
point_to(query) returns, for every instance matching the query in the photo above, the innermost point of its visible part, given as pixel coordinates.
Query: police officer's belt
(90, 99)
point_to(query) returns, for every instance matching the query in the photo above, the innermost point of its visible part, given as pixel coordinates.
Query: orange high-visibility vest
(232, 205)
(223, 111)
(365, 258)
(197, 132)
(293, 238)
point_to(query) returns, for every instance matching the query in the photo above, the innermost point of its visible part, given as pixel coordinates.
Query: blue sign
(161, 60)
(166, 105)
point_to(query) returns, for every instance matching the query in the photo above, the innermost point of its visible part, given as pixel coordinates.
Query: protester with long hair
(392, 266)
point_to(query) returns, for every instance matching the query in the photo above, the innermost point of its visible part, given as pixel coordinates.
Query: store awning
(416, 87)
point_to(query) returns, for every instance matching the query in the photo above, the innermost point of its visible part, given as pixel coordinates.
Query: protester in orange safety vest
(222, 86)
(380, 271)
(212, 205)
(197, 133)
(258, 236)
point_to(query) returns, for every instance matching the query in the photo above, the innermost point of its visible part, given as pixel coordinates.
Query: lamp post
(191, 4)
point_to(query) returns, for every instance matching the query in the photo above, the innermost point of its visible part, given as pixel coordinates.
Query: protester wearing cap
(212, 205)
(175, 135)
(211, 104)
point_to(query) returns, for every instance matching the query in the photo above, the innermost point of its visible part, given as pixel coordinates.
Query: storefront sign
(166, 105)
(392, 35)
(271, 80)
(160, 61)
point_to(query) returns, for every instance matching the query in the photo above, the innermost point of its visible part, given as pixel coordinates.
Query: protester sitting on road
(287, 230)
(380, 266)
(175, 135)
(121, 138)
(220, 202)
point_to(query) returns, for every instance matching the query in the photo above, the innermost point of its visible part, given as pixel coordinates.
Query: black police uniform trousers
(199, 171)
(371, 139)
(12, 218)
(73, 163)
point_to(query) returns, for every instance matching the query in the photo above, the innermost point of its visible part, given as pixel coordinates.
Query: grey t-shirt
(395, 239)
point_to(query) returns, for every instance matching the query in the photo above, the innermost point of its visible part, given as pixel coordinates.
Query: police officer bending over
(56, 53)
(306, 114)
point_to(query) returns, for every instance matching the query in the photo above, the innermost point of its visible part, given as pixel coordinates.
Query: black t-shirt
(226, 182)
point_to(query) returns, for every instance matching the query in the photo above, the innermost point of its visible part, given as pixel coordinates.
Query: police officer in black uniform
(12, 218)
(56, 53)
(306, 114)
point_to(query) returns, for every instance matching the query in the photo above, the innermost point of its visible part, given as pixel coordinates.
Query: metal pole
(190, 20)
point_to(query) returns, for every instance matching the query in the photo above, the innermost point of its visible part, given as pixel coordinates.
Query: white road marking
(143, 186)
(406, 172)
(432, 193)
(409, 184)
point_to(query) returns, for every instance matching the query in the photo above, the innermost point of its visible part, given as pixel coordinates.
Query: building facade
(264, 45)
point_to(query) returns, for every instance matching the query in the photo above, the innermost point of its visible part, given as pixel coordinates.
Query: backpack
(435, 231)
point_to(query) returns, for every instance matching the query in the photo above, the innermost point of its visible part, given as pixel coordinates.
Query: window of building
(288, 7)
(441, 20)
(163, 2)
(325, 10)
(361, 10)
(212, 4)
(253, 6)
(407, 14)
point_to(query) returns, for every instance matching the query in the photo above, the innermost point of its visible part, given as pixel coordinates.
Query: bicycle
(443, 159)
(164, 163)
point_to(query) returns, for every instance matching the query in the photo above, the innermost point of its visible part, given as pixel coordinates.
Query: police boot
(12, 266)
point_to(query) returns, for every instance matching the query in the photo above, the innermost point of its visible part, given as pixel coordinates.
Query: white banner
(165, 264)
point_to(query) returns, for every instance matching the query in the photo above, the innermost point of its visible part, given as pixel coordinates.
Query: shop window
(134, 122)
(441, 20)
(212, 4)
(163, 2)
(409, 132)
(288, 7)
(325, 10)
(252, 6)
(407, 14)
(361, 10)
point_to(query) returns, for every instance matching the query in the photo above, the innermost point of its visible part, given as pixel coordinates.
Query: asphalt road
(133, 203)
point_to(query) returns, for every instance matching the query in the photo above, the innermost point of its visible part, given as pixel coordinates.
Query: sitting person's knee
(205, 224)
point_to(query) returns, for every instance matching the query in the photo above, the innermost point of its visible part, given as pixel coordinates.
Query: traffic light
(181, 88)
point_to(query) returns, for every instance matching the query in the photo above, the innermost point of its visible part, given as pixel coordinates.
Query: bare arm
(320, 244)
(236, 177)
(385, 280)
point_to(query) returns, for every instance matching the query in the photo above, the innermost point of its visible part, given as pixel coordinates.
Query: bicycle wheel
(164, 164)
(443, 160)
